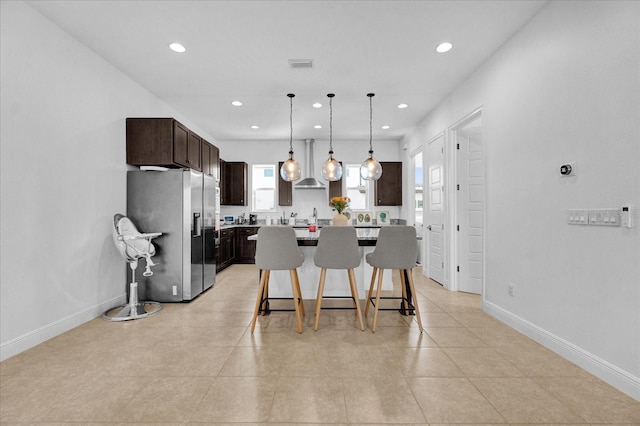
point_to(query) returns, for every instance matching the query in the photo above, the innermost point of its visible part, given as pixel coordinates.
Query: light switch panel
(604, 217)
(577, 217)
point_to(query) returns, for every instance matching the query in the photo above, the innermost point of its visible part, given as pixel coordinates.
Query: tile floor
(198, 363)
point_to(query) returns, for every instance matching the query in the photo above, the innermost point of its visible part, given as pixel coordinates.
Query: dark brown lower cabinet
(235, 246)
(246, 249)
(227, 249)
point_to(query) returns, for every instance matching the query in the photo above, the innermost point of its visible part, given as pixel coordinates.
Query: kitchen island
(337, 283)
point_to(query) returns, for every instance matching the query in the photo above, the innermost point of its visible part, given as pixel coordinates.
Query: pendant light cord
(330, 95)
(291, 95)
(370, 95)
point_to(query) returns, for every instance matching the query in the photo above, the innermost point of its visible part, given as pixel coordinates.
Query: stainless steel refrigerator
(184, 205)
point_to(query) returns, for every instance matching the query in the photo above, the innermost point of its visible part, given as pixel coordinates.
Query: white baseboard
(34, 338)
(604, 370)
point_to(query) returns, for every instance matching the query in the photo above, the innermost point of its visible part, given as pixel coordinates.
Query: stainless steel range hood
(309, 182)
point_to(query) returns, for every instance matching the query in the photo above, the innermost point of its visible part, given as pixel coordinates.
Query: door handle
(197, 228)
(429, 227)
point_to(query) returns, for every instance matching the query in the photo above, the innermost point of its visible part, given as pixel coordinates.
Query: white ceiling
(239, 50)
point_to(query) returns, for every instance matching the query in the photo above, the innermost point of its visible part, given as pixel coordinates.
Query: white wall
(565, 88)
(63, 177)
(304, 200)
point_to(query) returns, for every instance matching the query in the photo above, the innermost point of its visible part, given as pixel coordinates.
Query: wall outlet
(511, 289)
(175, 290)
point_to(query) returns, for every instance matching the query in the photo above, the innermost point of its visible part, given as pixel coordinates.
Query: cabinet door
(232, 245)
(388, 189)
(222, 169)
(246, 250)
(194, 152)
(206, 158)
(210, 154)
(236, 183)
(285, 189)
(150, 141)
(335, 187)
(223, 250)
(180, 144)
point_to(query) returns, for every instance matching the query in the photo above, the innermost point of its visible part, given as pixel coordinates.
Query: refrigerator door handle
(197, 228)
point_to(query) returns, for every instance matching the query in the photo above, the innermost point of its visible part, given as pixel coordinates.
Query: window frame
(366, 187)
(261, 166)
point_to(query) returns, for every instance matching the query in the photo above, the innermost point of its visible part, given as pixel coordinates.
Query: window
(263, 187)
(357, 188)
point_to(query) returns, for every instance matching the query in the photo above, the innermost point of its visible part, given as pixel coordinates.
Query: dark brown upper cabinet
(194, 152)
(335, 187)
(162, 142)
(210, 159)
(235, 183)
(222, 183)
(285, 189)
(388, 189)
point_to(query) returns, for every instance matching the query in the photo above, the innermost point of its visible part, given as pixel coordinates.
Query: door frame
(412, 202)
(453, 201)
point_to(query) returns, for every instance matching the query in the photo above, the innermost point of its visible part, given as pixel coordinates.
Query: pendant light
(332, 169)
(290, 169)
(371, 168)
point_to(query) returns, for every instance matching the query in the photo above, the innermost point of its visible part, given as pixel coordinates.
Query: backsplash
(304, 201)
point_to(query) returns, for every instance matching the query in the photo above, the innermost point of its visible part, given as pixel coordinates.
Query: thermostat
(568, 169)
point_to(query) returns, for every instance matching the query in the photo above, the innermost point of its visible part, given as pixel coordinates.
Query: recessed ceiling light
(317, 105)
(236, 103)
(177, 47)
(385, 127)
(317, 126)
(255, 127)
(402, 106)
(444, 47)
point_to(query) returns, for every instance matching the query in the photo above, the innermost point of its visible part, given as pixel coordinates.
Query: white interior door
(434, 219)
(470, 206)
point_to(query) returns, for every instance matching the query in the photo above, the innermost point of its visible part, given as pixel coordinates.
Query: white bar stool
(337, 249)
(277, 250)
(396, 248)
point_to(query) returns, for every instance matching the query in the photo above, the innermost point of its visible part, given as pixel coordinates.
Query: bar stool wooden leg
(354, 296)
(403, 284)
(354, 293)
(265, 294)
(263, 279)
(323, 275)
(375, 311)
(301, 300)
(296, 298)
(415, 299)
(373, 280)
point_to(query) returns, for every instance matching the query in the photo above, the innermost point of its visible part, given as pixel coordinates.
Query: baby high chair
(133, 245)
